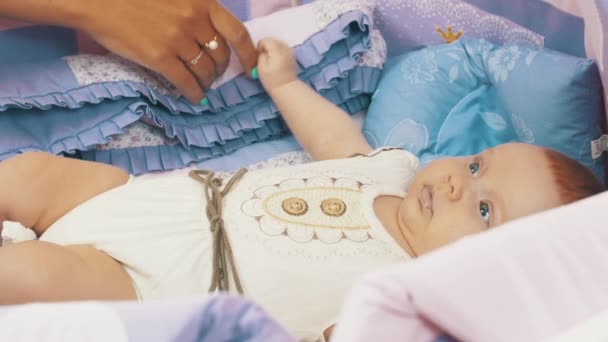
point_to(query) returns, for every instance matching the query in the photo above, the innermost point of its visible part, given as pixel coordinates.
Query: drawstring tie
(222, 253)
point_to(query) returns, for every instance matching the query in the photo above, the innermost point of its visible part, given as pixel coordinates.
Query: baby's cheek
(460, 226)
(410, 207)
(441, 233)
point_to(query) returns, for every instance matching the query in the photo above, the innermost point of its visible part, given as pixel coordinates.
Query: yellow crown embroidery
(449, 36)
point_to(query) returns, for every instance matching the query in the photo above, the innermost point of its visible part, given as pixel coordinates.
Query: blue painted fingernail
(204, 101)
(254, 73)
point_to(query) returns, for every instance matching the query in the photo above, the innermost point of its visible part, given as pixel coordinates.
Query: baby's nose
(452, 187)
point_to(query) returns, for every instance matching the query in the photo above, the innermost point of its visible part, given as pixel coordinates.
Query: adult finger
(235, 33)
(214, 45)
(176, 72)
(198, 62)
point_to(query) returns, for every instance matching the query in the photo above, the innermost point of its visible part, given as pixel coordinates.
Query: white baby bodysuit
(300, 235)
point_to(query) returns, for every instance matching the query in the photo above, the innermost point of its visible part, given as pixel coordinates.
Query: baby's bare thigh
(42, 271)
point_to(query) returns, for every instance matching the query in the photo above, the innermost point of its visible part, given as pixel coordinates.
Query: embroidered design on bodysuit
(333, 207)
(295, 206)
(319, 208)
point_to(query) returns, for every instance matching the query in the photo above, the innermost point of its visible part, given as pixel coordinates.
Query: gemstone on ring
(212, 44)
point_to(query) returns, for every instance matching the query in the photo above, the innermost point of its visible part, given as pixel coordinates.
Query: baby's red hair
(574, 181)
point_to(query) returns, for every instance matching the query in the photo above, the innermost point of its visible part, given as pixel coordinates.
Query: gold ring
(195, 60)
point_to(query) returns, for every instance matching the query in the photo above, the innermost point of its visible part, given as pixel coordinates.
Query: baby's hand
(276, 63)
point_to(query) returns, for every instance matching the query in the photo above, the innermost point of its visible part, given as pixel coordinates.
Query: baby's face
(454, 197)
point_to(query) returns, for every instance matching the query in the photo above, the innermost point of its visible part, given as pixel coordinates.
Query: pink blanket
(525, 281)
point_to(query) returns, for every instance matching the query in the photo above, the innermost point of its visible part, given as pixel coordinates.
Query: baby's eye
(484, 211)
(474, 168)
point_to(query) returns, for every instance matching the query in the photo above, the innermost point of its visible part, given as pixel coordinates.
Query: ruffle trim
(327, 55)
(206, 139)
(90, 137)
(198, 143)
(140, 160)
(209, 130)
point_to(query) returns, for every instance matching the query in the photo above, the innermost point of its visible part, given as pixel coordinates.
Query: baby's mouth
(426, 198)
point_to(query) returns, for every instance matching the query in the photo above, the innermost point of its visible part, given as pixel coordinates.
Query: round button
(295, 206)
(333, 207)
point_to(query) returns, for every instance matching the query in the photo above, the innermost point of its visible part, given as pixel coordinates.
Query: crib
(544, 278)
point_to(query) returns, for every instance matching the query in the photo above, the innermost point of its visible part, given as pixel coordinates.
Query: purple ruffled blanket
(76, 105)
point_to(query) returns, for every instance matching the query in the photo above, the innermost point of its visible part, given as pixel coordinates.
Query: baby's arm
(325, 130)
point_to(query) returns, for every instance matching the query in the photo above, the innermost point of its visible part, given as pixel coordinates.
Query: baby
(293, 239)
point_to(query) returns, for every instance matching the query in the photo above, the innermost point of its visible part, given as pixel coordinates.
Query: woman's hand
(276, 64)
(184, 40)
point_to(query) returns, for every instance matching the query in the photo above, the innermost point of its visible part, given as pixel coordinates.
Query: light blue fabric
(42, 106)
(138, 160)
(461, 98)
(36, 43)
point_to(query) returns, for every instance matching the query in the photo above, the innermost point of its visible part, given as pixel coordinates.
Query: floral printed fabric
(461, 98)
(409, 24)
(282, 160)
(138, 134)
(91, 69)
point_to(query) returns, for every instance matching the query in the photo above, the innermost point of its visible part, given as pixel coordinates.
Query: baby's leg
(41, 271)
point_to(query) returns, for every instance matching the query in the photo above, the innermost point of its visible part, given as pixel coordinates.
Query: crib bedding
(278, 152)
(531, 307)
(427, 98)
(528, 280)
(540, 278)
(186, 139)
(76, 104)
(201, 319)
(592, 329)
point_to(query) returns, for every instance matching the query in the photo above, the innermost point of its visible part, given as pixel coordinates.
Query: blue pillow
(461, 98)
